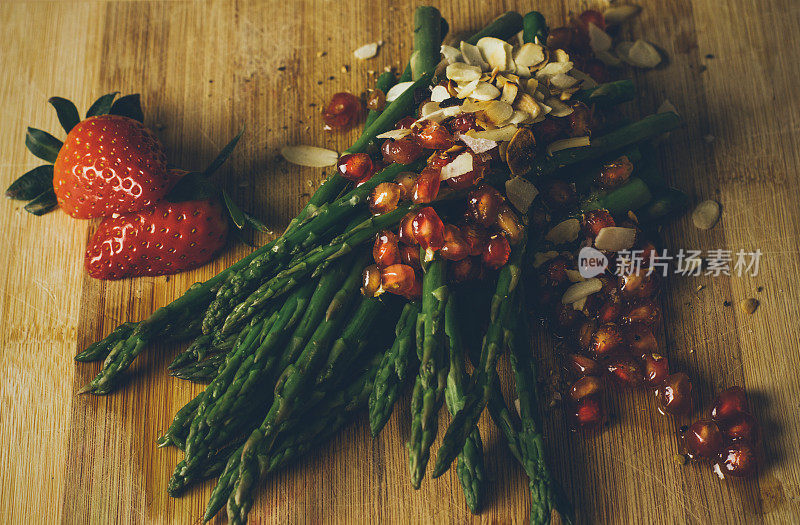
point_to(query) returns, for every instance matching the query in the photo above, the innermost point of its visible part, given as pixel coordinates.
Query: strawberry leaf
(255, 223)
(236, 214)
(42, 144)
(223, 155)
(193, 186)
(102, 105)
(33, 183)
(42, 203)
(128, 106)
(66, 111)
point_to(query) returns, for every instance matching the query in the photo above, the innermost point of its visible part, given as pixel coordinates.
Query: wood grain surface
(204, 69)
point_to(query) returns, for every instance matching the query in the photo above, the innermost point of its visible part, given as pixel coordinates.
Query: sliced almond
(553, 68)
(667, 107)
(498, 112)
(484, 91)
(615, 238)
(527, 104)
(581, 290)
(618, 14)
(562, 81)
(461, 72)
(587, 82)
(558, 108)
(574, 276)
(510, 90)
(395, 134)
(599, 40)
(572, 142)
(439, 93)
(477, 145)
(519, 117)
(458, 166)
(520, 192)
(497, 53)
(366, 51)
(521, 152)
(503, 134)
(450, 54)
(643, 54)
(472, 56)
(466, 90)
(397, 90)
(564, 232)
(749, 306)
(559, 55)
(706, 214)
(609, 58)
(529, 55)
(310, 156)
(428, 109)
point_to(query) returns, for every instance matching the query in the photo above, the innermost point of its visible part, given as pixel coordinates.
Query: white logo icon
(591, 262)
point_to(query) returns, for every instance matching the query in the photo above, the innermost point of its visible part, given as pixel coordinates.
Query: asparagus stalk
(384, 83)
(200, 371)
(101, 349)
(534, 28)
(503, 27)
(608, 94)
(179, 428)
(427, 39)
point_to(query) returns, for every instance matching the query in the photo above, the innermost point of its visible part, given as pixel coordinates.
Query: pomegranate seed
(431, 135)
(406, 180)
(469, 179)
(703, 440)
(656, 369)
(607, 340)
(559, 38)
(508, 221)
(405, 123)
(586, 386)
(647, 312)
(615, 173)
(371, 281)
(737, 460)
(484, 205)
(426, 187)
(586, 332)
(590, 16)
(410, 255)
(497, 252)
(596, 220)
(638, 285)
(555, 271)
(416, 288)
(385, 197)
(560, 194)
(428, 229)
(376, 100)
(741, 427)
(461, 123)
(626, 371)
(609, 312)
(476, 237)
(588, 412)
(342, 112)
(729, 404)
(398, 279)
(385, 250)
(455, 247)
(640, 339)
(401, 151)
(582, 365)
(597, 70)
(579, 122)
(648, 250)
(355, 166)
(675, 395)
(466, 269)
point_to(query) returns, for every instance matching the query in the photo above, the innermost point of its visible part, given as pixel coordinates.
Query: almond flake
(510, 90)
(461, 72)
(706, 215)
(366, 51)
(484, 91)
(581, 290)
(428, 109)
(561, 56)
(503, 134)
(562, 81)
(498, 112)
(587, 82)
(521, 193)
(477, 145)
(572, 142)
(529, 55)
(564, 232)
(519, 117)
(526, 103)
(618, 14)
(458, 166)
(450, 54)
(643, 54)
(310, 156)
(395, 134)
(497, 53)
(553, 68)
(615, 238)
(598, 39)
(472, 56)
(667, 107)
(558, 108)
(397, 90)
(439, 94)
(608, 58)
(466, 90)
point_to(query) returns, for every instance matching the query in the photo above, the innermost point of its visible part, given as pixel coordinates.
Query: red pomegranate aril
(376, 100)
(588, 412)
(428, 229)
(737, 460)
(625, 371)
(406, 230)
(471, 178)
(675, 395)
(560, 194)
(559, 38)
(615, 173)
(555, 271)
(508, 221)
(426, 187)
(586, 386)
(406, 180)
(609, 312)
(579, 122)
(410, 255)
(431, 135)
(497, 252)
(385, 198)
(455, 248)
(461, 123)
(476, 237)
(640, 339)
(401, 151)
(385, 251)
(466, 269)
(371, 281)
(646, 312)
(656, 369)
(405, 123)
(703, 440)
(729, 404)
(596, 220)
(638, 285)
(398, 279)
(607, 340)
(741, 427)
(483, 205)
(590, 16)
(586, 332)
(582, 365)
(416, 288)
(342, 112)
(355, 166)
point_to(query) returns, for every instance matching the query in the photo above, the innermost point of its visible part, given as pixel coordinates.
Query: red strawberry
(110, 164)
(166, 238)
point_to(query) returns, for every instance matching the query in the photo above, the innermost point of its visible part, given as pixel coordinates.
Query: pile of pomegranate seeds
(728, 438)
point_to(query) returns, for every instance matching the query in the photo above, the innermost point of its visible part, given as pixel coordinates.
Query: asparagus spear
(200, 371)
(428, 393)
(503, 27)
(384, 83)
(470, 461)
(393, 371)
(179, 428)
(534, 28)
(427, 39)
(101, 349)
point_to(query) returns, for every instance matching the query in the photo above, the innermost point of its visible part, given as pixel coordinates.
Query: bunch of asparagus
(291, 350)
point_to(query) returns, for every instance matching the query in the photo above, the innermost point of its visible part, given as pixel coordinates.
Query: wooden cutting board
(205, 69)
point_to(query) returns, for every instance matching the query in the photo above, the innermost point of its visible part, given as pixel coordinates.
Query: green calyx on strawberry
(184, 231)
(109, 163)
